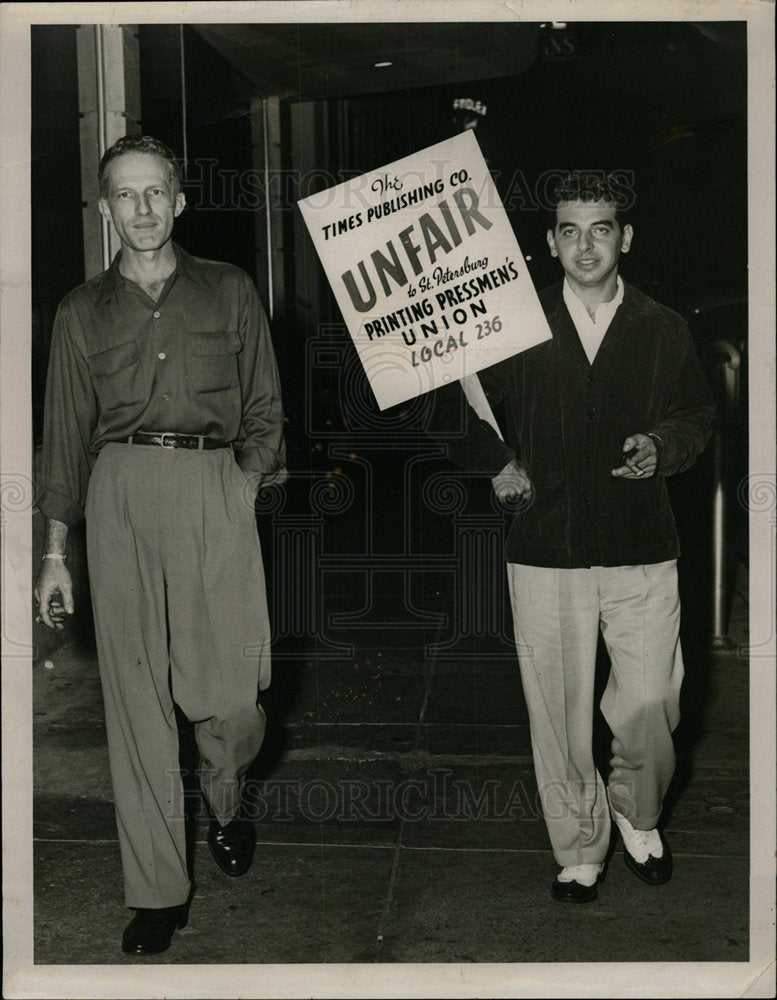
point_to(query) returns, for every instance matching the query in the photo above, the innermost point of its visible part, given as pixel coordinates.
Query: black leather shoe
(232, 846)
(654, 871)
(151, 930)
(574, 892)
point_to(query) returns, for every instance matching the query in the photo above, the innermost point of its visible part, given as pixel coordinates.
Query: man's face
(141, 201)
(588, 241)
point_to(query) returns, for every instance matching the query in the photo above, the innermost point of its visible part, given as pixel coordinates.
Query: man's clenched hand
(512, 482)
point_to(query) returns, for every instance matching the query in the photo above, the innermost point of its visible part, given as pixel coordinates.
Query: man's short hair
(138, 144)
(592, 185)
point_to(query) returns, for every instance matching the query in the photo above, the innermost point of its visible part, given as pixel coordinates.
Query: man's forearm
(471, 443)
(56, 537)
(53, 589)
(683, 437)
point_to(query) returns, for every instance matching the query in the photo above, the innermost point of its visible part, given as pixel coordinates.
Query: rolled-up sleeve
(260, 446)
(69, 422)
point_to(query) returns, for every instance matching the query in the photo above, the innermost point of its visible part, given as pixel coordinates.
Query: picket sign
(427, 272)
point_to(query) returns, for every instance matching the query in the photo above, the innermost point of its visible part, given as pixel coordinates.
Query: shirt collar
(188, 267)
(576, 307)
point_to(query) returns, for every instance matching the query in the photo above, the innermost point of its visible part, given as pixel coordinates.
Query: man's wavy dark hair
(593, 185)
(138, 144)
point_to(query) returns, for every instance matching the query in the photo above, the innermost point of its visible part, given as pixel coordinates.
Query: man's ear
(180, 203)
(105, 211)
(551, 243)
(628, 236)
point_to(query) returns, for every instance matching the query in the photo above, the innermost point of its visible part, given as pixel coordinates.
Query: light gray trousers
(557, 614)
(180, 613)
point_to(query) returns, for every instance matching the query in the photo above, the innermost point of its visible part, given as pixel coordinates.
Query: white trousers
(557, 615)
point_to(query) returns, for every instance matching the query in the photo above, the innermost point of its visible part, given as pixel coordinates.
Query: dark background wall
(218, 137)
(666, 102)
(57, 263)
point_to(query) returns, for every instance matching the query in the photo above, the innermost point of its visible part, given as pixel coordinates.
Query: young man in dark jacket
(595, 420)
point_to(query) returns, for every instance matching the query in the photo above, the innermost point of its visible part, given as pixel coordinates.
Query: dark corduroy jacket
(566, 420)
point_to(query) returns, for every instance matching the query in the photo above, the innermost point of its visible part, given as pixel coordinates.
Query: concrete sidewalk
(397, 822)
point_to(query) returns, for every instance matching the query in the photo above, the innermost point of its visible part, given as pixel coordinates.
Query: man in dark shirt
(595, 420)
(161, 374)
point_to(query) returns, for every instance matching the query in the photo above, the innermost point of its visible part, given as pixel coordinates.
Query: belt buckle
(168, 441)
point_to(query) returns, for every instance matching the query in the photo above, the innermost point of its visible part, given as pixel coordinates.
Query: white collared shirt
(591, 331)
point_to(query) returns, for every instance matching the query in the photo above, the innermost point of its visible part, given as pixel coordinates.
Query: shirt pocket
(116, 376)
(213, 360)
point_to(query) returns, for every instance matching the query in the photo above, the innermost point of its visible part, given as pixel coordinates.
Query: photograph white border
(24, 979)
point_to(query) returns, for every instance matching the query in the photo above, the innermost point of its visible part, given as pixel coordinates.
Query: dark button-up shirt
(197, 361)
(567, 420)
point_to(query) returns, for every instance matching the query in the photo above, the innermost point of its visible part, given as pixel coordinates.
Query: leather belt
(163, 439)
